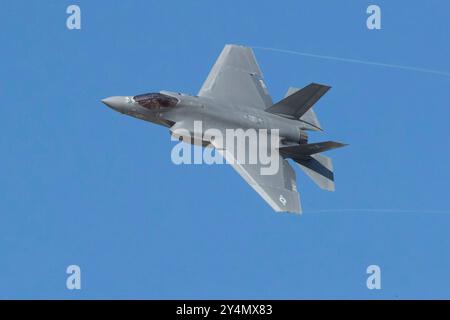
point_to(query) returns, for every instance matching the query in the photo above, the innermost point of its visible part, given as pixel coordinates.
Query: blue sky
(81, 184)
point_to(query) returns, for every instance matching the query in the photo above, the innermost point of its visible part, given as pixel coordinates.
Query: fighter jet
(234, 96)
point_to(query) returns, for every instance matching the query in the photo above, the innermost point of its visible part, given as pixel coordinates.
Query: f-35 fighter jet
(234, 96)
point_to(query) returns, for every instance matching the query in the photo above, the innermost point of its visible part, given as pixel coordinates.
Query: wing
(236, 79)
(278, 190)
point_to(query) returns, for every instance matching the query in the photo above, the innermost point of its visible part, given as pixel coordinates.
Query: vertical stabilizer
(320, 169)
(310, 116)
(298, 103)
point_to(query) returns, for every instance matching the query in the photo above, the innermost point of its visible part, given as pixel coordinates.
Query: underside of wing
(279, 190)
(236, 79)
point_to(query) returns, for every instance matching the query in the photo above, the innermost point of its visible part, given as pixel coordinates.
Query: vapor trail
(365, 210)
(372, 63)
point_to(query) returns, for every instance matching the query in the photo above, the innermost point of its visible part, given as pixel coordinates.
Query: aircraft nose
(115, 103)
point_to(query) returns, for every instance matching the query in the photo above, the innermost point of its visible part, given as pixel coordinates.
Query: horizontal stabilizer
(320, 169)
(303, 150)
(297, 104)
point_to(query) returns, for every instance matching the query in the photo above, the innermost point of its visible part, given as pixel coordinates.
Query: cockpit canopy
(155, 101)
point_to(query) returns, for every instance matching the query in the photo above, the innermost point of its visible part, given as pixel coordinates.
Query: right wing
(236, 79)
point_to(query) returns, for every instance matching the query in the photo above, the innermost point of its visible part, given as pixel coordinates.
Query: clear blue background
(81, 184)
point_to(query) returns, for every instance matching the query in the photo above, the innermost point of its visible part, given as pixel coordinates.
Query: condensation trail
(371, 63)
(366, 210)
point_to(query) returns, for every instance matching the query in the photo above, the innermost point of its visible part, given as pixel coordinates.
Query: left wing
(236, 79)
(278, 190)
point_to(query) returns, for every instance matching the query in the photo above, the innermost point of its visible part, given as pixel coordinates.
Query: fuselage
(169, 108)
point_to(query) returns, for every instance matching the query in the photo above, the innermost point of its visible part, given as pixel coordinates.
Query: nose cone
(116, 103)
